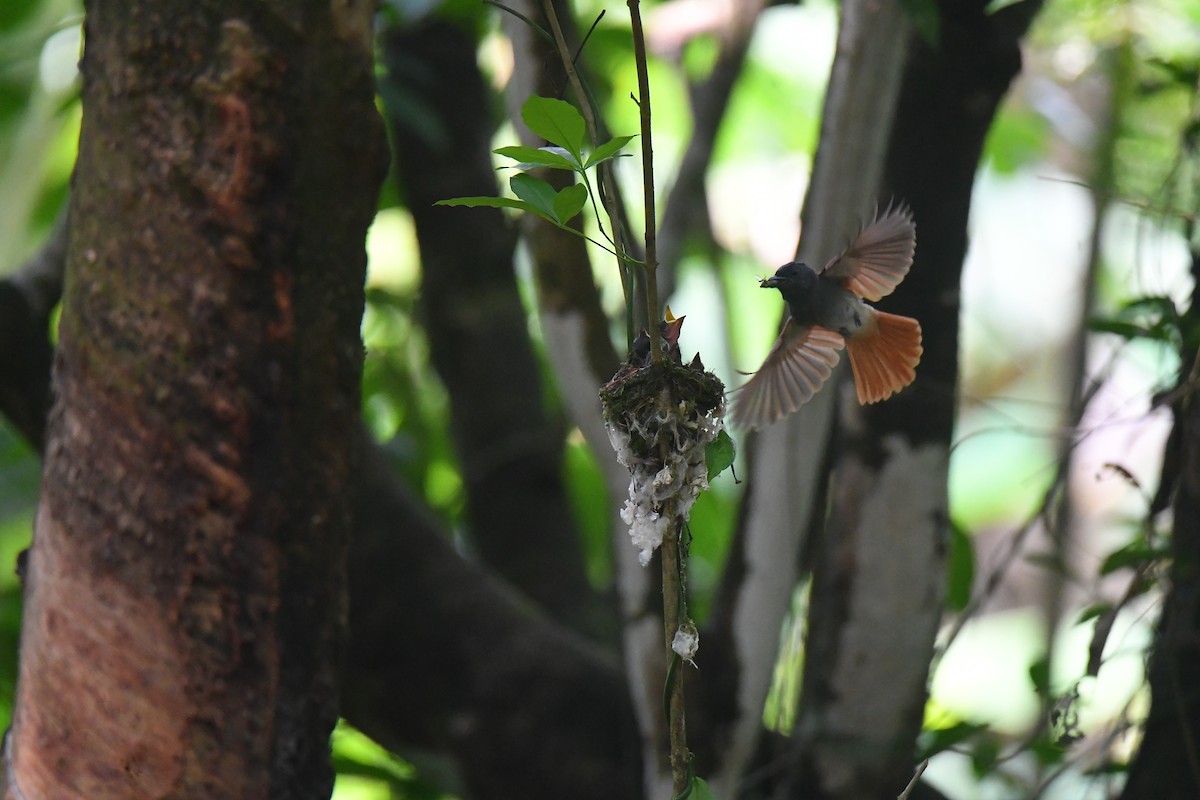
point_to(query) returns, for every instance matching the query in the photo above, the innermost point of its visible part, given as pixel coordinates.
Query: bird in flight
(826, 312)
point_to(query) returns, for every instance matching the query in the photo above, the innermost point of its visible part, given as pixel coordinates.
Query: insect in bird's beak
(767, 283)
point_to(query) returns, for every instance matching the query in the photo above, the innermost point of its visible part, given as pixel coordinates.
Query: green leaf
(569, 202)
(700, 790)
(1136, 554)
(1039, 676)
(1126, 330)
(1163, 306)
(1047, 751)
(1093, 611)
(556, 121)
(607, 150)
(984, 755)
(536, 192)
(935, 741)
(484, 202)
(498, 202)
(530, 157)
(719, 454)
(1152, 317)
(961, 575)
(1182, 72)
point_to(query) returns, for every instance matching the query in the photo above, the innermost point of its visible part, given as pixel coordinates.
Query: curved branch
(443, 657)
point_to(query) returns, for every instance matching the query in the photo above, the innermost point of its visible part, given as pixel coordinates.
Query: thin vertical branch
(673, 596)
(674, 600)
(674, 612)
(651, 264)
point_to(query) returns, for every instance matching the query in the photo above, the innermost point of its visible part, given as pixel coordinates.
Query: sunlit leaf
(607, 150)
(556, 121)
(530, 157)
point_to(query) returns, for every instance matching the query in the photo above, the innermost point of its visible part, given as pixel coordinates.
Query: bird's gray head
(791, 277)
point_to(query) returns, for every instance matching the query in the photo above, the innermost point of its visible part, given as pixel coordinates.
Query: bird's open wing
(800, 361)
(879, 257)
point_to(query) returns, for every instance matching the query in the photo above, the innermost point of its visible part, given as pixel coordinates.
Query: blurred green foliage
(365, 771)
(19, 474)
(39, 119)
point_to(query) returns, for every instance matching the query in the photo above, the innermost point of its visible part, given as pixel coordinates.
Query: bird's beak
(768, 283)
(671, 331)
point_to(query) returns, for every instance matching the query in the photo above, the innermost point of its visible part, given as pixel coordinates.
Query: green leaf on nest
(719, 454)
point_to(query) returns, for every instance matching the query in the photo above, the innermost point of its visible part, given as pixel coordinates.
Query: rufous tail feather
(884, 355)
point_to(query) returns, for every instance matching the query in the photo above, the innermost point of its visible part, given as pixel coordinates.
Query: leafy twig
(608, 184)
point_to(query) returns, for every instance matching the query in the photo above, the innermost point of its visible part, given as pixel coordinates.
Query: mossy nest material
(635, 398)
(660, 418)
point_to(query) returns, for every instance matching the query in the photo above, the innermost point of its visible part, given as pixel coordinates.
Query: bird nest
(660, 418)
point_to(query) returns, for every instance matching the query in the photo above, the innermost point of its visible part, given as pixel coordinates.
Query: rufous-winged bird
(827, 312)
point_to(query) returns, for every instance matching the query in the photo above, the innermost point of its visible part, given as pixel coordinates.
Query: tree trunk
(879, 575)
(1167, 765)
(185, 590)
